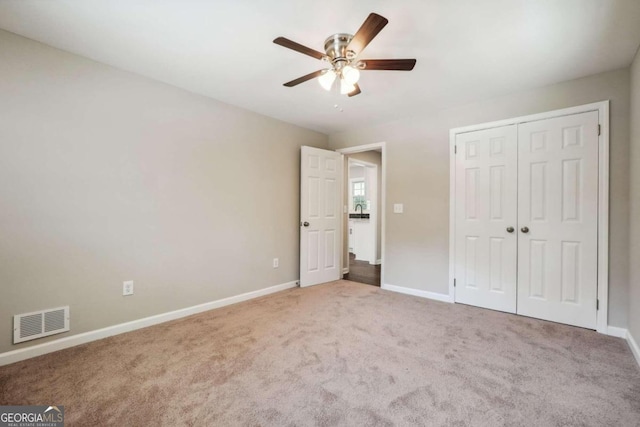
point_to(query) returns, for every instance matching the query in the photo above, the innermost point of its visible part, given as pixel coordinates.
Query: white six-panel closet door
(526, 219)
(558, 219)
(486, 216)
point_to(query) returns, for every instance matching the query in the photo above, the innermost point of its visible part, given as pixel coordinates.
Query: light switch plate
(398, 208)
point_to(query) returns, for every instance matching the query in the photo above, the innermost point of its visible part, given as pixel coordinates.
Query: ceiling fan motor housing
(335, 47)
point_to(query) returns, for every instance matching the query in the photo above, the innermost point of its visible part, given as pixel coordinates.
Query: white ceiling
(466, 49)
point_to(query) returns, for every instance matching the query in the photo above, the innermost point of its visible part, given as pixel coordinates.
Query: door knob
(306, 224)
(525, 229)
(510, 229)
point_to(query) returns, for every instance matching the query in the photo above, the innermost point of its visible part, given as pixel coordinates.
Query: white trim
(602, 108)
(373, 196)
(74, 340)
(603, 218)
(382, 147)
(342, 217)
(418, 293)
(452, 214)
(378, 262)
(376, 146)
(614, 331)
(345, 270)
(633, 345)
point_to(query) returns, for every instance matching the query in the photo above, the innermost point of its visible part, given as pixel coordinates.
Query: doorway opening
(362, 271)
(363, 201)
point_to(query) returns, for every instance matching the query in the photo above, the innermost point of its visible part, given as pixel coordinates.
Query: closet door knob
(510, 229)
(525, 229)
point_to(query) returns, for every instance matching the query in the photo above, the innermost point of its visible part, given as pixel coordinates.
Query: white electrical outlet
(276, 263)
(398, 208)
(127, 287)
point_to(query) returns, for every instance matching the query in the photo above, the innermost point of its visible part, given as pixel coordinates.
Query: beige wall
(106, 176)
(634, 197)
(417, 241)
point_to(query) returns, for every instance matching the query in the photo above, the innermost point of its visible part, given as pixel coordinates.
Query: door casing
(603, 194)
(381, 146)
(370, 169)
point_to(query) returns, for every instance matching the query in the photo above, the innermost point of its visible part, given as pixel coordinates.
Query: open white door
(320, 216)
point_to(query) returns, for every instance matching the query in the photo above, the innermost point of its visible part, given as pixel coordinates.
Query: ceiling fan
(342, 51)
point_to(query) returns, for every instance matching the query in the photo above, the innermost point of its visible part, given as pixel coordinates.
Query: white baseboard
(85, 337)
(633, 344)
(376, 262)
(614, 331)
(418, 293)
(345, 270)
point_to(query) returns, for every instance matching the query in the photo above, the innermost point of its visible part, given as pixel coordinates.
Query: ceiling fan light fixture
(346, 87)
(350, 74)
(326, 79)
(342, 51)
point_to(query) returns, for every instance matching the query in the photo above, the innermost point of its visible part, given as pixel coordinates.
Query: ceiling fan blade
(355, 92)
(303, 79)
(389, 64)
(369, 29)
(298, 47)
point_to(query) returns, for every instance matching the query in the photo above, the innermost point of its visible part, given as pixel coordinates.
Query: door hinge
(454, 283)
(597, 304)
(599, 130)
(455, 149)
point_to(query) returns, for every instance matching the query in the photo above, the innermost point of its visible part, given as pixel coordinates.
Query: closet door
(486, 213)
(557, 219)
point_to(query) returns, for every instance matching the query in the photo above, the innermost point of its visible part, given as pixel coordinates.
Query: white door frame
(602, 108)
(383, 191)
(374, 211)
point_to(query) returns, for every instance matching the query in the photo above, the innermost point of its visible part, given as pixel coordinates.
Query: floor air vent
(38, 324)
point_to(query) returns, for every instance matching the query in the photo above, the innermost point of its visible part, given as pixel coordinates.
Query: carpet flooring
(343, 354)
